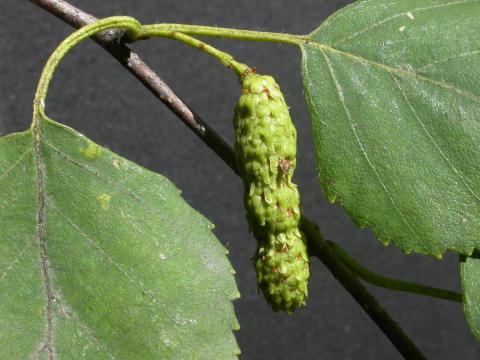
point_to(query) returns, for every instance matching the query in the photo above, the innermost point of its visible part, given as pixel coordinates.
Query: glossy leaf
(102, 259)
(394, 92)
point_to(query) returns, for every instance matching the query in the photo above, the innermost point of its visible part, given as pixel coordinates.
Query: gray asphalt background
(96, 96)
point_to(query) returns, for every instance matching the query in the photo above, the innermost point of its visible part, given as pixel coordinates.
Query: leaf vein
(467, 53)
(399, 71)
(362, 148)
(103, 252)
(133, 195)
(395, 16)
(48, 343)
(16, 163)
(16, 260)
(443, 155)
(68, 313)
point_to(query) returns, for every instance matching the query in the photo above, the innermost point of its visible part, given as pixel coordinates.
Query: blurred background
(92, 93)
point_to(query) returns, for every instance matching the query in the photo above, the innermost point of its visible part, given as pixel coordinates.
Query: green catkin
(265, 150)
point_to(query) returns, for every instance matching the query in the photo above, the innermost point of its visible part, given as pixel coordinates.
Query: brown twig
(318, 246)
(110, 41)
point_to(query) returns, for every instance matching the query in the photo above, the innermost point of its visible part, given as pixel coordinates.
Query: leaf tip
(235, 326)
(384, 242)
(362, 224)
(470, 251)
(332, 198)
(235, 295)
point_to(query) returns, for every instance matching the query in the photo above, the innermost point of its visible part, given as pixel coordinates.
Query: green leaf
(102, 259)
(470, 273)
(394, 91)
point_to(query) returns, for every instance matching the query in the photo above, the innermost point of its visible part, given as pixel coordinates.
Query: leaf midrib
(311, 46)
(425, 246)
(392, 17)
(392, 70)
(46, 203)
(389, 69)
(364, 153)
(40, 236)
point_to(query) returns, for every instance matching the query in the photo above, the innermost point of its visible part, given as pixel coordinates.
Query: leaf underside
(394, 91)
(115, 266)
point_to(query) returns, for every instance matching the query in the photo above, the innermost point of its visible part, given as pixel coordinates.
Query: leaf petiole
(224, 33)
(389, 283)
(113, 22)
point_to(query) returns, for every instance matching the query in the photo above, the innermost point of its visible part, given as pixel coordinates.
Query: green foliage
(265, 148)
(100, 258)
(103, 259)
(393, 89)
(470, 275)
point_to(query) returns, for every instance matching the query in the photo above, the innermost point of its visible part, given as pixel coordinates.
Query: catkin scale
(265, 150)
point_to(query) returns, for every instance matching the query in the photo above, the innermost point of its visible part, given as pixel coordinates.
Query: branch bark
(111, 41)
(319, 247)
